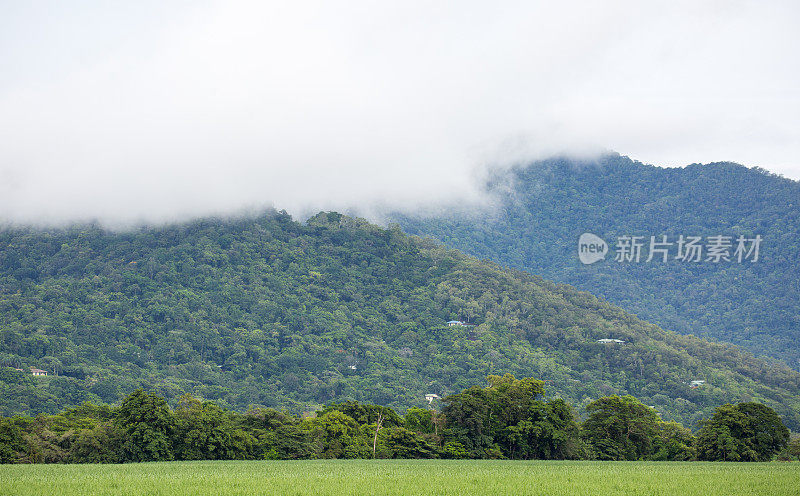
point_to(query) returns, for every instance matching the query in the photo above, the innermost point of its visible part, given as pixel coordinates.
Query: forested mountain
(536, 214)
(273, 312)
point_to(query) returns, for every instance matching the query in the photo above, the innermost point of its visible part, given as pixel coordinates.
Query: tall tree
(508, 418)
(621, 428)
(745, 432)
(148, 425)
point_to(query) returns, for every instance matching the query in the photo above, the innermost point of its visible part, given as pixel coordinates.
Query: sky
(152, 111)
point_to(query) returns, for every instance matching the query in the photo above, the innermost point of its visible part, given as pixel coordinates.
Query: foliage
(338, 435)
(11, 441)
(405, 443)
(421, 420)
(365, 413)
(747, 432)
(507, 419)
(205, 432)
(147, 425)
(674, 442)
(792, 450)
(621, 428)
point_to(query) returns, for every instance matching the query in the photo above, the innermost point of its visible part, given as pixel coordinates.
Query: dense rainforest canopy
(535, 215)
(270, 312)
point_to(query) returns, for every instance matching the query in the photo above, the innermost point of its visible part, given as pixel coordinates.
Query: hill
(273, 312)
(536, 214)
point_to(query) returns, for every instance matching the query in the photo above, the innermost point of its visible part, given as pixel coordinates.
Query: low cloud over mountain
(152, 112)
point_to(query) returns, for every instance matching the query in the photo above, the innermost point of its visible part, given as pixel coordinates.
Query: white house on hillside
(452, 323)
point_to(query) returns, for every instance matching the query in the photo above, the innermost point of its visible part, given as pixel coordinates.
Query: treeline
(508, 419)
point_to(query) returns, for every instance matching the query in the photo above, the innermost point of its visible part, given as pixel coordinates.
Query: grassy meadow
(403, 477)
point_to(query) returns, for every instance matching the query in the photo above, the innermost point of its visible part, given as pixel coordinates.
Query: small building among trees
(452, 323)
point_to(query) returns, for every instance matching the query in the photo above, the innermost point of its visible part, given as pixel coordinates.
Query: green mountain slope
(273, 312)
(538, 212)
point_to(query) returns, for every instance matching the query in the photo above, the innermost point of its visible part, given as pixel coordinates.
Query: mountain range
(534, 215)
(269, 311)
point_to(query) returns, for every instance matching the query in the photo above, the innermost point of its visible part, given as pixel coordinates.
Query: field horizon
(403, 477)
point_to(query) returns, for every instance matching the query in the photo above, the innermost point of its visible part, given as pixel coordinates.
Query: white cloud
(155, 112)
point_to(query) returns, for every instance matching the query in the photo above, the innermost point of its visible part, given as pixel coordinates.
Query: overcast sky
(148, 111)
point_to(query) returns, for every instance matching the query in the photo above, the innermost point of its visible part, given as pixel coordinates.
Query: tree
(674, 442)
(204, 432)
(420, 420)
(98, 445)
(339, 436)
(507, 419)
(148, 425)
(791, 451)
(365, 413)
(745, 432)
(621, 428)
(403, 443)
(378, 425)
(12, 444)
(551, 432)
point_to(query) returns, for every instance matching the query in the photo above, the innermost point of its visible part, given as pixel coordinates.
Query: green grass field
(403, 477)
